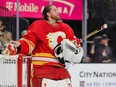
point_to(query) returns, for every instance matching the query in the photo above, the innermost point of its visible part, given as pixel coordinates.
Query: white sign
(93, 75)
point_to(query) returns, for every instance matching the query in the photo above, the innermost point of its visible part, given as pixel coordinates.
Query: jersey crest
(55, 38)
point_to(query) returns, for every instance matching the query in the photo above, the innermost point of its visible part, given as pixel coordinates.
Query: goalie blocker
(67, 52)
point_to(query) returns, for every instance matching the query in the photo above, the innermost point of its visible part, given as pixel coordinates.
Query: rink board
(93, 75)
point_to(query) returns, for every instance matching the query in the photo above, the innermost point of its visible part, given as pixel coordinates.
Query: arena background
(99, 12)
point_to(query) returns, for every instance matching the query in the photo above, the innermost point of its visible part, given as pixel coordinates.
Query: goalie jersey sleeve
(28, 41)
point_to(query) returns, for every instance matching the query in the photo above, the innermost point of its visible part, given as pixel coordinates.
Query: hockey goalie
(66, 52)
(53, 46)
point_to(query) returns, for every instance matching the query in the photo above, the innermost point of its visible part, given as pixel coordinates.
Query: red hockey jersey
(42, 37)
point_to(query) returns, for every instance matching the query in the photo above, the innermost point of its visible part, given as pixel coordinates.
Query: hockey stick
(95, 31)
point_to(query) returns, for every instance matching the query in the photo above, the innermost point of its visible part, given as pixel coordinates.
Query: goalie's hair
(45, 11)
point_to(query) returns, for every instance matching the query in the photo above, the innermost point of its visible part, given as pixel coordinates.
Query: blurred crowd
(5, 35)
(100, 51)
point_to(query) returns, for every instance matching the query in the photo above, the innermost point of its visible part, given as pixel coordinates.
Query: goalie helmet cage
(15, 71)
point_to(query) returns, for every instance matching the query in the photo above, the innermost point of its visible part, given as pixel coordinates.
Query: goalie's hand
(9, 49)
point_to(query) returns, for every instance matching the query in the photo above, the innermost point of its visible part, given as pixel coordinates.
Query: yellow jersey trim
(44, 55)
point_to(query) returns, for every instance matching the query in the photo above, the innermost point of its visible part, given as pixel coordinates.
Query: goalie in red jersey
(46, 40)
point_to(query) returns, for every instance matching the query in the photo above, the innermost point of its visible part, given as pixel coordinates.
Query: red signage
(68, 9)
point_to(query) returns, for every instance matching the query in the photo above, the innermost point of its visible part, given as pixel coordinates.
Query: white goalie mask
(68, 52)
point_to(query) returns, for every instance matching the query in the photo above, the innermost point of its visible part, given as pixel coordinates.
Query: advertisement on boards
(93, 75)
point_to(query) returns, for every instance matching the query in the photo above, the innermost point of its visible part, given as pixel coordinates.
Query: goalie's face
(53, 14)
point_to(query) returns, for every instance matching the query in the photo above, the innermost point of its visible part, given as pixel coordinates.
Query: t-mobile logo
(9, 5)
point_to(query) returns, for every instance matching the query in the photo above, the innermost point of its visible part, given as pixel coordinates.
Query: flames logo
(53, 38)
